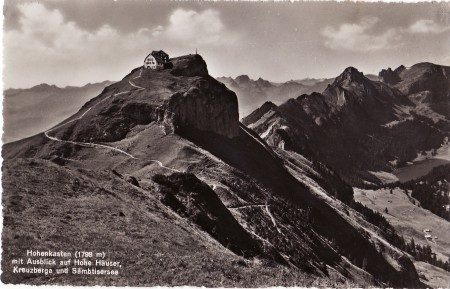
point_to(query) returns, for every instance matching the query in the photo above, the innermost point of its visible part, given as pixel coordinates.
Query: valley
(423, 165)
(408, 218)
(418, 169)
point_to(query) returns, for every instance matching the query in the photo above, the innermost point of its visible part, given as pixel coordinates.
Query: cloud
(194, 28)
(47, 48)
(360, 36)
(427, 26)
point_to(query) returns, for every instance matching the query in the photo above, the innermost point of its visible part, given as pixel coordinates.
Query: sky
(77, 42)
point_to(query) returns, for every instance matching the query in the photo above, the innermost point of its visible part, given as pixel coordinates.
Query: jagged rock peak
(400, 69)
(268, 105)
(350, 74)
(259, 113)
(388, 76)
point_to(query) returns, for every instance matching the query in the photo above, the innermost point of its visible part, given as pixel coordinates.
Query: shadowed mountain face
(27, 112)
(427, 85)
(158, 163)
(425, 77)
(357, 125)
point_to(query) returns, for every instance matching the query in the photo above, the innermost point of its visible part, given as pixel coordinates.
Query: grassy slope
(437, 277)
(175, 152)
(410, 220)
(50, 210)
(215, 262)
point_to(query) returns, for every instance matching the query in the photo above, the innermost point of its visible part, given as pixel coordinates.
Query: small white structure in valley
(156, 60)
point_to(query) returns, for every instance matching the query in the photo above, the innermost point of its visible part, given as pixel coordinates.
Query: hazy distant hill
(29, 111)
(252, 93)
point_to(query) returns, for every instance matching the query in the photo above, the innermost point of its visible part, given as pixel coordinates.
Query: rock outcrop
(191, 198)
(388, 76)
(206, 106)
(189, 65)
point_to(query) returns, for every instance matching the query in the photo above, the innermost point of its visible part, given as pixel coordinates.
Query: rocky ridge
(357, 125)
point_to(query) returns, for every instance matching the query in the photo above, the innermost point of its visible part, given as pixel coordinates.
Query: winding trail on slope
(140, 72)
(272, 218)
(266, 206)
(247, 206)
(134, 85)
(103, 146)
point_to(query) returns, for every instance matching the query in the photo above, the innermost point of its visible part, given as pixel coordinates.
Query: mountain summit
(349, 75)
(184, 96)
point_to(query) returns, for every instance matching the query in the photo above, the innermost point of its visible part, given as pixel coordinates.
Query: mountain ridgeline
(27, 112)
(358, 126)
(253, 93)
(159, 169)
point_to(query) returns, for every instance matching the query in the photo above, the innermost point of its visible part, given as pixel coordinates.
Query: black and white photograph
(216, 144)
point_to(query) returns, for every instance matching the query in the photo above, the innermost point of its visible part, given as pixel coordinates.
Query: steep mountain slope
(409, 215)
(425, 77)
(168, 149)
(27, 112)
(356, 125)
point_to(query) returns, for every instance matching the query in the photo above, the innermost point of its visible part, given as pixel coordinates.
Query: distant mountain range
(252, 93)
(29, 111)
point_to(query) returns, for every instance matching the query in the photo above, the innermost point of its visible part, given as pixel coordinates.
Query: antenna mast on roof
(195, 51)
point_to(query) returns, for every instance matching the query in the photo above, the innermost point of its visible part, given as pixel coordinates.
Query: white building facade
(156, 60)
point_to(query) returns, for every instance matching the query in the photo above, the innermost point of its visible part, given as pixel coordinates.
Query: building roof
(157, 55)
